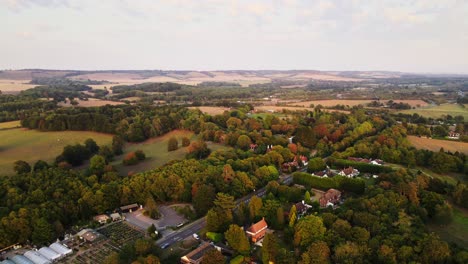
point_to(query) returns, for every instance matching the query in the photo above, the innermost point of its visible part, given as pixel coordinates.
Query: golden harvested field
(351, 103)
(211, 110)
(269, 108)
(11, 124)
(91, 102)
(436, 144)
(15, 85)
(32, 145)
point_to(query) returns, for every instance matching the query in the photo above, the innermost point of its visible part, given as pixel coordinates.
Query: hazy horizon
(425, 37)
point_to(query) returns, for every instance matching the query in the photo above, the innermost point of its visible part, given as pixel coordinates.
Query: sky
(425, 36)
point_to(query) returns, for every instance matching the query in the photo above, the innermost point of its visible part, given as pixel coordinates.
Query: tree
(316, 164)
(185, 142)
(42, 232)
(151, 230)
(243, 142)
(117, 145)
(434, 250)
(270, 248)
(97, 165)
(140, 155)
(348, 253)
(91, 146)
(213, 256)
(40, 165)
(198, 150)
(292, 216)
(309, 229)
(172, 144)
(237, 239)
(307, 197)
(203, 199)
(106, 152)
(317, 253)
(151, 208)
(21, 166)
(255, 205)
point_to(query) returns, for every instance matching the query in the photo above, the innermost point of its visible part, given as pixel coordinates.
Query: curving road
(199, 224)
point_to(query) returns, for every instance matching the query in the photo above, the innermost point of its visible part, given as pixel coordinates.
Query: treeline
(132, 123)
(361, 166)
(60, 81)
(354, 185)
(391, 145)
(148, 87)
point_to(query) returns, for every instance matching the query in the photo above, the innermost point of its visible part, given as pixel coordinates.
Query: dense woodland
(382, 221)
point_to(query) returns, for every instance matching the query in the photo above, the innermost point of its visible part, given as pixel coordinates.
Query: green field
(457, 230)
(32, 145)
(8, 125)
(156, 152)
(439, 111)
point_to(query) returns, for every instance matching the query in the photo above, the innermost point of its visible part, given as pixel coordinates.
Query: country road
(199, 224)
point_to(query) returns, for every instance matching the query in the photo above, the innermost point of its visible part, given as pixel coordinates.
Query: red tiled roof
(258, 226)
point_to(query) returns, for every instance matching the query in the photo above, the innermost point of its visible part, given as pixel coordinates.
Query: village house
(324, 173)
(196, 256)
(330, 198)
(370, 161)
(349, 172)
(453, 135)
(301, 208)
(257, 231)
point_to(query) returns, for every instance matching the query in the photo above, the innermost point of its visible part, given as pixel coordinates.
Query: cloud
(18, 5)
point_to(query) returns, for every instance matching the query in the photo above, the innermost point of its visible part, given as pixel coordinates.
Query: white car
(196, 236)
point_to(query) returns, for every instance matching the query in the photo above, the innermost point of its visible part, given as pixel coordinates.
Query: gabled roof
(260, 225)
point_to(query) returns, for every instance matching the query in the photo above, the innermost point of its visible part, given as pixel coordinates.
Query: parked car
(165, 245)
(196, 236)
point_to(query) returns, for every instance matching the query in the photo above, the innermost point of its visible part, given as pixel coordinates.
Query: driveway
(169, 217)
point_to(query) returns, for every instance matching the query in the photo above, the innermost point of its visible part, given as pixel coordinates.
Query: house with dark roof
(349, 172)
(330, 198)
(257, 231)
(453, 135)
(301, 208)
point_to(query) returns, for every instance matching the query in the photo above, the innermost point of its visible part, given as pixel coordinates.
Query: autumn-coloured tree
(172, 144)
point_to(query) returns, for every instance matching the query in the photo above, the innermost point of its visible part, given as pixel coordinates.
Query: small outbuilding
(129, 208)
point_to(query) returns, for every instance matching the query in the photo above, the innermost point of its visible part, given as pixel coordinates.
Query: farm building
(102, 219)
(19, 259)
(59, 248)
(88, 235)
(49, 254)
(129, 208)
(115, 216)
(196, 256)
(37, 258)
(257, 231)
(453, 135)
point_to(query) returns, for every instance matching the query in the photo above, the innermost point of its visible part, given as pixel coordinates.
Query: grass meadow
(440, 110)
(32, 145)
